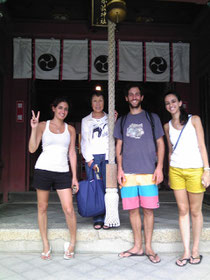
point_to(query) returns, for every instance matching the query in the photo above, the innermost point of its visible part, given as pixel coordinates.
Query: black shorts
(45, 180)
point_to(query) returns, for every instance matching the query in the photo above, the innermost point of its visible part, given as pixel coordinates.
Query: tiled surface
(99, 266)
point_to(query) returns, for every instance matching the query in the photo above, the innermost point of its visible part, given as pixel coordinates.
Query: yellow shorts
(189, 179)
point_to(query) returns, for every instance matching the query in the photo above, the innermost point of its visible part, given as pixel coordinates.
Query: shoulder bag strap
(180, 135)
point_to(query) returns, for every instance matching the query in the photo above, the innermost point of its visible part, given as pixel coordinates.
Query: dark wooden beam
(200, 2)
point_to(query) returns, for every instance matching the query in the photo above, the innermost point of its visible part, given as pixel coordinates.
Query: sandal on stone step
(46, 256)
(68, 255)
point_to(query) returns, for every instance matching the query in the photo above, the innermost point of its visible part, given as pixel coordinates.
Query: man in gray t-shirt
(139, 168)
(137, 133)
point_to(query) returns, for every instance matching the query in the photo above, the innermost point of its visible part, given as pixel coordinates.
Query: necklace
(177, 126)
(57, 128)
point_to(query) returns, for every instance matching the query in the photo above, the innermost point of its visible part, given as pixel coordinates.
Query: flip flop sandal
(130, 254)
(200, 257)
(46, 256)
(153, 260)
(68, 255)
(182, 261)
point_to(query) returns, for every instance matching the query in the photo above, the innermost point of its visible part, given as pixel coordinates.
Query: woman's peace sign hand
(35, 119)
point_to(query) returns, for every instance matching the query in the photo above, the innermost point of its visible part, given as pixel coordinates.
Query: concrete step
(30, 197)
(165, 196)
(19, 228)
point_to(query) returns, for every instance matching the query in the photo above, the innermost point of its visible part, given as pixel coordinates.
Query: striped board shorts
(139, 190)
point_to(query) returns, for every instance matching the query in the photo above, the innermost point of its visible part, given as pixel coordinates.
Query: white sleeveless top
(187, 153)
(55, 147)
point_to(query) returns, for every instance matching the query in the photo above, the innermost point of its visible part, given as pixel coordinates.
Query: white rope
(112, 201)
(111, 90)
(111, 196)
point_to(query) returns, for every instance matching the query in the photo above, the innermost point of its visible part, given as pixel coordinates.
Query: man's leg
(196, 200)
(149, 200)
(148, 232)
(135, 220)
(130, 199)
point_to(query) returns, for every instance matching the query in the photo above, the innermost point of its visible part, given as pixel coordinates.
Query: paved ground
(98, 267)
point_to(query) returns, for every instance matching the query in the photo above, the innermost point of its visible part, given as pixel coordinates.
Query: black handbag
(90, 197)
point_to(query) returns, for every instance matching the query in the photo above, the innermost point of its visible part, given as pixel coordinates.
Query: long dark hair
(183, 118)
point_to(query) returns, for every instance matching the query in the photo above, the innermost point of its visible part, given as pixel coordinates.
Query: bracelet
(206, 168)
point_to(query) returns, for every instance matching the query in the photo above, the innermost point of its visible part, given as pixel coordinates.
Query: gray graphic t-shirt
(139, 154)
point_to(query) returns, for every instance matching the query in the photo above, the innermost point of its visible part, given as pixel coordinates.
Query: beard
(134, 106)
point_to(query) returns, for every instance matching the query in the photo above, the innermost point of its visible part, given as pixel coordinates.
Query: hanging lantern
(116, 10)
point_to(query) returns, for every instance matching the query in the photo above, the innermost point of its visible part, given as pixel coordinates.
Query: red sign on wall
(19, 111)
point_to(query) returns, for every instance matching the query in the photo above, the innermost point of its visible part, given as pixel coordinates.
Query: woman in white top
(189, 173)
(52, 170)
(94, 143)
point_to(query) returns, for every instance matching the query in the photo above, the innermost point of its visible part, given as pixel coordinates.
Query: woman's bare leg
(196, 200)
(42, 205)
(184, 221)
(66, 199)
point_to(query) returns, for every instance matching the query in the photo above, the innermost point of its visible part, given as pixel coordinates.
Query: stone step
(19, 229)
(30, 197)
(164, 196)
